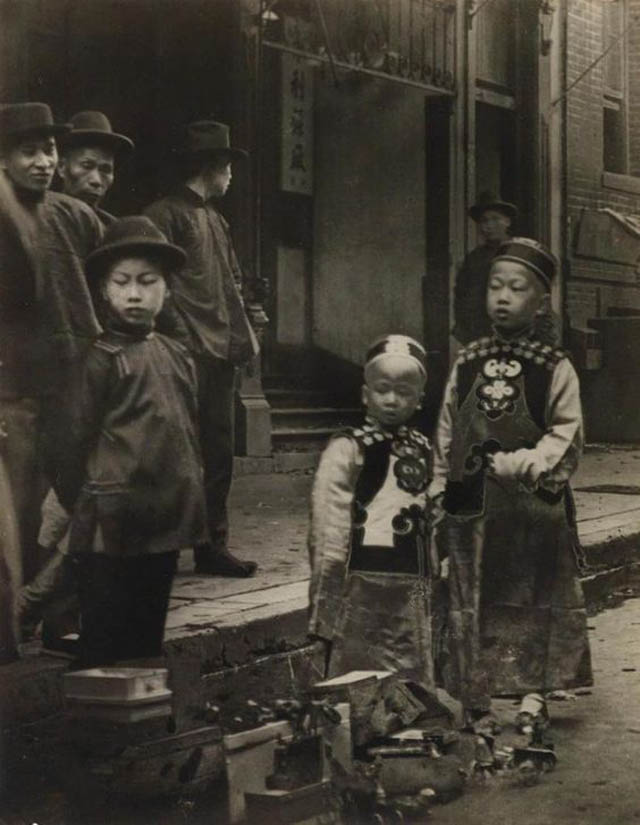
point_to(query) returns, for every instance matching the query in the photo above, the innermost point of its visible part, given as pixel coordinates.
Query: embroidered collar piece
(523, 347)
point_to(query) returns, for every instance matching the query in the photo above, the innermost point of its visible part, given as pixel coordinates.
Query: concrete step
(283, 397)
(305, 439)
(332, 418)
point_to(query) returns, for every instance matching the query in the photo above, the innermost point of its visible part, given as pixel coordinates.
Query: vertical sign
(296, 172)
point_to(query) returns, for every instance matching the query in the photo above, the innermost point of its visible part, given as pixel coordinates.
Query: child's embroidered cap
(399, 345)
(531, 254)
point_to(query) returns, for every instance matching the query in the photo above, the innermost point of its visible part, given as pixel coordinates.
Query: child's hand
(500, 465)
(510, 468)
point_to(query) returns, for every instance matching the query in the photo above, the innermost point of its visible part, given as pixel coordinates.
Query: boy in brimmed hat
(494, 218)
(509, 437)
(208, 316)
(88, 155)
(46, 329)
(370, 605)
(127, 462)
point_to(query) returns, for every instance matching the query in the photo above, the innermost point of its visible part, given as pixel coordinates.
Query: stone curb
(264, 645)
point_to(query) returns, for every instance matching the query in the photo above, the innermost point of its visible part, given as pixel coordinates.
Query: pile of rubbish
(365, 747)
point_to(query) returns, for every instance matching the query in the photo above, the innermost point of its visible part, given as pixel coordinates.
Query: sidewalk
(269, 522)
(234, 631)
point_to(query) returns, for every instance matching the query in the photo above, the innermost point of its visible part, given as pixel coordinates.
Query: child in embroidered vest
(127, 464)
(368, 542)
(508, 439)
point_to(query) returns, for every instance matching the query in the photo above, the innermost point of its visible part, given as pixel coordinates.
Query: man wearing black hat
(88, 156)
(50, 323)
(209, 318)
(493, 217)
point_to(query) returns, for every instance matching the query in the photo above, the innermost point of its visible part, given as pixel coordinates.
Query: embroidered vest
(502, 389)
(389, 519)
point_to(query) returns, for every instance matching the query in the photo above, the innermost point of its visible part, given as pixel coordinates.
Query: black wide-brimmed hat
(208, 137)
(18, 120)
(489, 200)
(532, 254)
(91, 128)
(133, 235)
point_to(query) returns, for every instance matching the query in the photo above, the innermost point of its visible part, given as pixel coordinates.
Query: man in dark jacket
(49, 321)
(18, 264)
(494, 218)
(208, 317)
(88, 156)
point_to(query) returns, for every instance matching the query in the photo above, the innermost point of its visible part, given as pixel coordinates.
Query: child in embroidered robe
(368, 542)
(127, 465)
(508, 439)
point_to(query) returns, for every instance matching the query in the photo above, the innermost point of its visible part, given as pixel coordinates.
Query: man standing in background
(207, 314)
(494, 218)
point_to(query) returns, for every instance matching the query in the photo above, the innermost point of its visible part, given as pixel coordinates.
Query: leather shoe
(225, 564)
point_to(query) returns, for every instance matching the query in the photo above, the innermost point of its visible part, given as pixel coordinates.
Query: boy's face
(392, 390)
(514, 295)
(31, 163)
(135, 289)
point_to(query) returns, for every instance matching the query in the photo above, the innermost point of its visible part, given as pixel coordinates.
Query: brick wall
(593, 286)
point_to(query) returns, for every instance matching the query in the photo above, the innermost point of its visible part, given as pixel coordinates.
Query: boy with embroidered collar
(508, 439)
(369, 592)
(128, 465)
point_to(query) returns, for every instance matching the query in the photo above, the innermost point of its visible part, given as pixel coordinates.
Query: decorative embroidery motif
(497, 394)
(477, 458)
(408, 520)
(411, 469)
(410, 447)
(527, 348)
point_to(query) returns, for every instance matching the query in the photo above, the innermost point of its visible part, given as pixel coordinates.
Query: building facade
(601, 111)
(372, 125)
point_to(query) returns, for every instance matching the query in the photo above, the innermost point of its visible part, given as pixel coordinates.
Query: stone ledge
(253, 631)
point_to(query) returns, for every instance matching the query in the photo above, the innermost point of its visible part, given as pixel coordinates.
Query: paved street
(597, 740)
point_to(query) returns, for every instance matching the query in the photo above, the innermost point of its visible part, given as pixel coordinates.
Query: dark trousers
(123, 605)
(215, 409)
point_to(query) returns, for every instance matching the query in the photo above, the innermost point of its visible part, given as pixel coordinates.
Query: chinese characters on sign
(297, 126)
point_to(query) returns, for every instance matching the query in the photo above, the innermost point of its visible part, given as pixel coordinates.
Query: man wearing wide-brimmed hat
(88, 157)
(209, 318)
(494, 218)
(48, 321)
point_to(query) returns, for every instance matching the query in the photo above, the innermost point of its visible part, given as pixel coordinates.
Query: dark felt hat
(18, 120)
(489, 200)
(208, 137)
(133, 235)
(531, 254)
(94, 129)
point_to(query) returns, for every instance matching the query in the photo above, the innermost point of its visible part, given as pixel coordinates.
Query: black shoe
(223, 563)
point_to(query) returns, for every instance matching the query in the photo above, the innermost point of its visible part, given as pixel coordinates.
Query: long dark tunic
(127, 460)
